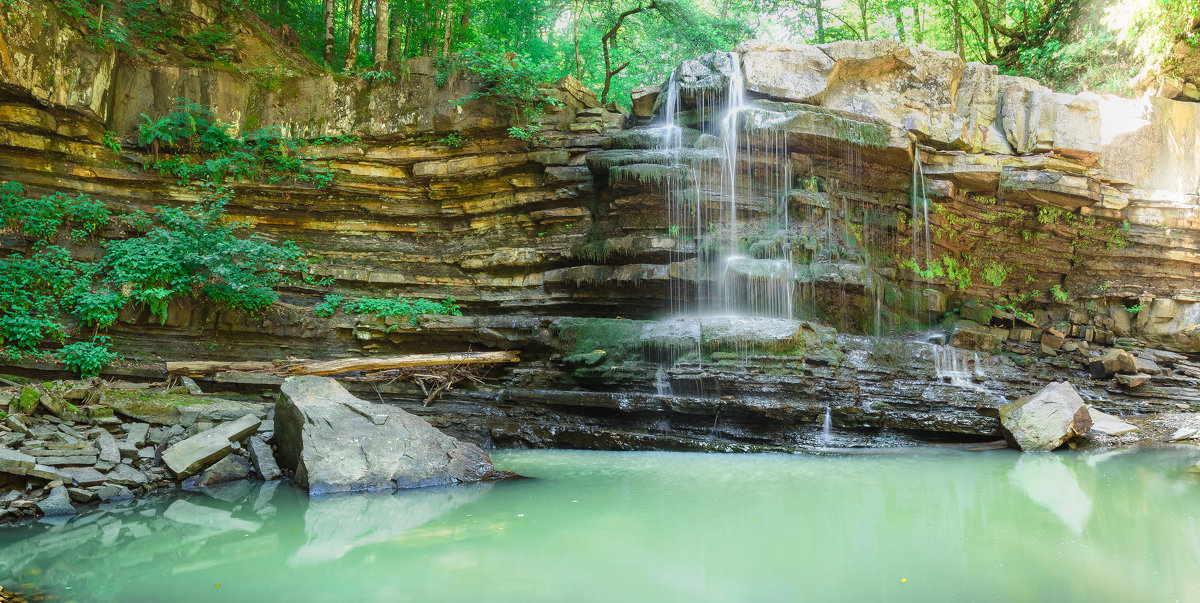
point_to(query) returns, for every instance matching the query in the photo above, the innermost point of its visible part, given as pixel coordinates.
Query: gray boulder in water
(335, 442)
(1045, 420)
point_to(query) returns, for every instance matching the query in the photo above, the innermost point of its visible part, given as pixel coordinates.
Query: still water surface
(910, 525)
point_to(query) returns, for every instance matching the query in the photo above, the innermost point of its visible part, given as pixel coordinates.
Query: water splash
(952, 366)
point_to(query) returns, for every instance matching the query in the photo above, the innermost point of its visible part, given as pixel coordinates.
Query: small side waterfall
(952, 366)
(662, 382)
(827, 425)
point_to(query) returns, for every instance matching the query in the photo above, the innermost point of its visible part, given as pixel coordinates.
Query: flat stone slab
(1187, 432)
(135, 433)
(1109, 425)
(190, 456)
(84, 476)
(125, 475)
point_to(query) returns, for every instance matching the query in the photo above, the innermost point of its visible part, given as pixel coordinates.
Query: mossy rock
(28, 400)
(592, 358)
(172, 408)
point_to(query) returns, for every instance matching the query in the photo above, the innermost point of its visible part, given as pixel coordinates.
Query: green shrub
(41, 218)
(513, 81)
(87, 358)
(201, 148)
(414, 309)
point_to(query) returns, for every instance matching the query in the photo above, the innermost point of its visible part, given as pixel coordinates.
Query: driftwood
(201, 368)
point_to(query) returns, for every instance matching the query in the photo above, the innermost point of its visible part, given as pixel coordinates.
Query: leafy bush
(205, 150)
(42, 217)
(195, 253)
(191, 253)
(510, 80)
(397, 306)
(87, 358)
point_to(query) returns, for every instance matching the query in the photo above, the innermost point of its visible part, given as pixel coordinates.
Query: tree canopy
(615, 45)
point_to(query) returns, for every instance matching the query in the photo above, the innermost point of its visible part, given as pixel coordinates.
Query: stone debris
(1109, 425)
(1190, 431)
(85, 453)
(189, 456)
(1045, 420)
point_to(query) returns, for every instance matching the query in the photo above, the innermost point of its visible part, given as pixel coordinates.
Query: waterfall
(951, 366)
(662, 382)
(919, 196)
(827, 425)
(742, 267)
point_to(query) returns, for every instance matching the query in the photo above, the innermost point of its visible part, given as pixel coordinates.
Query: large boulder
(335, 442)
(1045, 420)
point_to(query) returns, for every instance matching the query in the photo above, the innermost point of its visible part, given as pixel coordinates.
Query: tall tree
(610, 39)
(355, 27)
(330, 15)
(381, 30)
(449, 29)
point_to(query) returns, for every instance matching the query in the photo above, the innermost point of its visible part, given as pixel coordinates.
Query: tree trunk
(862, 14)
(355, 31)
(959, 46)
(449, 29)
(396, 41)
(609, 71)
(918, 34)
(900, 24)
(330, 15)
(464, 22)
(281, 10)
(575, 25)
(381, 31)
(820, 21)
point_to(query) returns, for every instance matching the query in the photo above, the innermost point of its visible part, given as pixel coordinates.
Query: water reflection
(335, 525)
(658, 527)
(1047, 481)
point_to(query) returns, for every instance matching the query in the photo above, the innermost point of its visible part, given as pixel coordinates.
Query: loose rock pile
(64, 444)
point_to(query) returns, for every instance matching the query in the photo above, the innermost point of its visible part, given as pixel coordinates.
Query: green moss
(650, 138)
(28, 400)
(648, 174)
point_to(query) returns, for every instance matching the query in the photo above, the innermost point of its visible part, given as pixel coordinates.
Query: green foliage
(330, 306)
(206, 151)
(509, 80)
(994, 273)
(196, 253)
(110, 140)
(191, 253)
(87, 358)
(453, 140)
(1059, 294)
(1134, 309)
(41, 217)
(377, 76)
(413, 309)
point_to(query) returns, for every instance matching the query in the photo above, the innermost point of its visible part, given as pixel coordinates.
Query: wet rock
(1187, 432)
(136, 433)
(57, 503)
(111, 492)
(1109, 425)
(1053, 339)
(643, 99)
(324, 436)
(84, 476)
(1132, 381)
(972, 336)
(82, 495)
(263, 458)
(189, 456)
(109, 451)
(124, 475)
(1147, 366)
(1045, 420)
(1112, 362)
(231, 468)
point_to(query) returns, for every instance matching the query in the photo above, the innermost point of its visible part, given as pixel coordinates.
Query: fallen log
(201, 368)
(351, 365)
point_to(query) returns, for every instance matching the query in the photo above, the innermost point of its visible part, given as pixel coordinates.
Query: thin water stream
(932, 524)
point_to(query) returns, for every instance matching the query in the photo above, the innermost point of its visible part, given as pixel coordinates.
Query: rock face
(1045, 420)
(335, 442)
